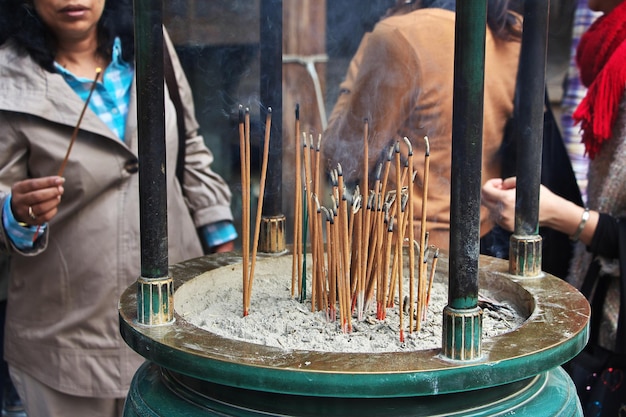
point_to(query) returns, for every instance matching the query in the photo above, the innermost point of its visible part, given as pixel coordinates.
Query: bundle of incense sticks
(249, 259)
(357, 242)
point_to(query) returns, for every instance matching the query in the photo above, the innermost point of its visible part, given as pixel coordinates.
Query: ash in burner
(213, 302)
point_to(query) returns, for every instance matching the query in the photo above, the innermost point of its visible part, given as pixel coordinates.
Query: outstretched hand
(35, 201)
(498, 196)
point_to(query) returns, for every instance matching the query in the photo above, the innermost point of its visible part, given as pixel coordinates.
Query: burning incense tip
(396, 147)
(390, 153)
(339, 170)
(427, 145)
(317, 202)
(379, 169)
(297, 111)
(356, 204)
(408, 144)
(269, 110)
(240, 114)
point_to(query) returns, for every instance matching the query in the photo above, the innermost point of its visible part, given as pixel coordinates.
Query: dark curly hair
(500, 20)
(20, 22)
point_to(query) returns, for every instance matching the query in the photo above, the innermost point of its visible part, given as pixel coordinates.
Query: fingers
(225, 247)
(35, 201)
(509, 183)
(498, 196)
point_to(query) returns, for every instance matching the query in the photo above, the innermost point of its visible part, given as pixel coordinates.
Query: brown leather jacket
(401, 80)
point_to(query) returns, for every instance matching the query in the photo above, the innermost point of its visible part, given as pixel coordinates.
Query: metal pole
(272, 237)
(154, 287)
(462, 316)
(525, 248)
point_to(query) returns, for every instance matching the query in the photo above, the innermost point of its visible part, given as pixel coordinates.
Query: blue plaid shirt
(111, 96)
(109, 101)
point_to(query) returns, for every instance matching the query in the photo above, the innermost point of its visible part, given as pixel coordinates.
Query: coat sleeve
(206, 193)
(13, 168)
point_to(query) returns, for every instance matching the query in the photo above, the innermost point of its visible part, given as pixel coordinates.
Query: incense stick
(433, 267)
(244, 123)
(257, 225)
(296, 268)
(74, 136)
(80, 119)
(399, 230)
(422, 278)
(411, 234)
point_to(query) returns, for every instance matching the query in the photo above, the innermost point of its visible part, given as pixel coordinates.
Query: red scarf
(601, 58)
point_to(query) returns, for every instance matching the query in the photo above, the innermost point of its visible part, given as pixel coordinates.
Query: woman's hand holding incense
(35, 201)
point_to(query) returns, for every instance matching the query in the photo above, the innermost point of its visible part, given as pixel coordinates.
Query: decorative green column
(462, 318)
(154, 287)
(526, 245)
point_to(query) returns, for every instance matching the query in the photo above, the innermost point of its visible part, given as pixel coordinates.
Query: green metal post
(462, 318)
(154, 287)
(526, 244)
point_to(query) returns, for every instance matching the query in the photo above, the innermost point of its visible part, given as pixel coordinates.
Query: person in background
(74, 240)
(601, 58)
(401, 80)
(573, 92)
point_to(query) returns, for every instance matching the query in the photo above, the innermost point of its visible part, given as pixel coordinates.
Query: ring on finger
(31, 214)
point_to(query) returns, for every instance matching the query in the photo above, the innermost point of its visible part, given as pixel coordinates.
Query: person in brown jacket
(401, 81)
(74, 240)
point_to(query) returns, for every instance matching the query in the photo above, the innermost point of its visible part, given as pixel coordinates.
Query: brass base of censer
(192, 371)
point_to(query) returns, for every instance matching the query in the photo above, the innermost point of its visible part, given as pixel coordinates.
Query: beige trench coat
(62, 321)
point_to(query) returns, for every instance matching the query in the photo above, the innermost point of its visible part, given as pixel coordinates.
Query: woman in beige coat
(62, 338)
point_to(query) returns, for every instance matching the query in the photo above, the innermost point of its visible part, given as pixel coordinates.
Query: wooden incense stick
(411, 233)
(308, 202)
(433, 267)
(80, 119)
(257, 225)
(244, 124)
(399, 237)
(422, 278)
(332, 286)
(74, 136)
(296, 269)
(318, 259)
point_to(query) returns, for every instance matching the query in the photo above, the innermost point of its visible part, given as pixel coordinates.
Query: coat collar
(27, 88)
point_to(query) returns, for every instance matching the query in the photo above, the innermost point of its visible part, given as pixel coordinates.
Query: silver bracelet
(581, 225)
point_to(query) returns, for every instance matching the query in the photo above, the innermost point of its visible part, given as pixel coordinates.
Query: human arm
(206, 194)
(555, 212)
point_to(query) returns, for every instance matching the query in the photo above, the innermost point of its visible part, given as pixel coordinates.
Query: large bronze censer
(192, 371)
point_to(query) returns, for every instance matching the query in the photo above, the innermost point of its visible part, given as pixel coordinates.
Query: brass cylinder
(272, 234)
(525, 255)
(155, 301)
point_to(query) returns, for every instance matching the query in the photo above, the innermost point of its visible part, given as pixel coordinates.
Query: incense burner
(192, 371)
